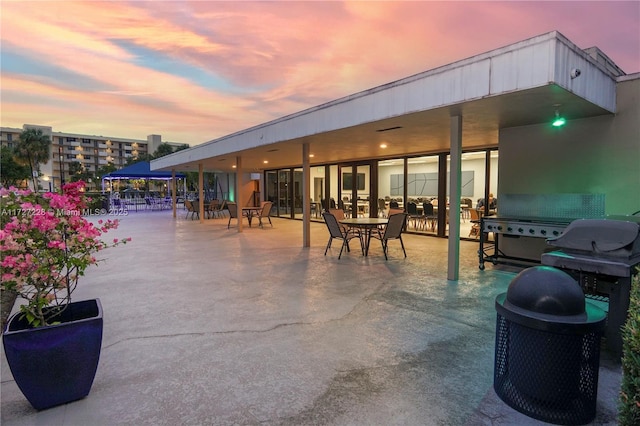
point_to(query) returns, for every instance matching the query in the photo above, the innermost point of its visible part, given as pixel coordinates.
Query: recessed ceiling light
(266, 161)
(383, 145)
(234, 166)
(311, 155)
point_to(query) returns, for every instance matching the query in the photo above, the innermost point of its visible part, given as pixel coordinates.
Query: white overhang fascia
(536, 62)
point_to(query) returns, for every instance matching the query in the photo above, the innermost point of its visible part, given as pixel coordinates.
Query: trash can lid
(549, 299)
(546, 290)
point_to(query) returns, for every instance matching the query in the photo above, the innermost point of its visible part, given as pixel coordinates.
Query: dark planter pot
(56, 364)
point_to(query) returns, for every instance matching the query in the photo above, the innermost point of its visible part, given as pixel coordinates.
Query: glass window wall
(422, 194)
(416, 191)
(391, 187)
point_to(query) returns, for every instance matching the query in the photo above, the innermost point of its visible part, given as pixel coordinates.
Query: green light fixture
(559, 121)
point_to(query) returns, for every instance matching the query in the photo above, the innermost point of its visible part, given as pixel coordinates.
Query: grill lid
(599, 236)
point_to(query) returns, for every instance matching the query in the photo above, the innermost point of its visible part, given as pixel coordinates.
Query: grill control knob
(510, 229)
(499, 228)
(555, 233)
(532, 231)
(543, 232)
(520, 230)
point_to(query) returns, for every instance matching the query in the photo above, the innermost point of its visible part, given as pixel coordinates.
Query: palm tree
(33, 149)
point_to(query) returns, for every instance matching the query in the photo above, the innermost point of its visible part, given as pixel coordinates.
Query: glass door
(284, 197)
(362, 185)
(297, 193)
(357, 190)
(271, 189)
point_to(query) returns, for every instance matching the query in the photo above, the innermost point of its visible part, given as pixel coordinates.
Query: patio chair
(265, 213)
(191, 209)
(336, 232)
(214, 206)
(475, 219)
(222, 208)
(429, 215)
(393, 231)
(382, 208)
(118, 205)
(417, 219)
(346, 209)
(233, 213)
(339, 214)
(152, 203)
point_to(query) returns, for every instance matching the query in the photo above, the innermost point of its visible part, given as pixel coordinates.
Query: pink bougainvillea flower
(46, 244)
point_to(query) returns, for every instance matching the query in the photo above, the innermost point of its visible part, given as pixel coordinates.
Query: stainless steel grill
(511, 227)
(602, 254)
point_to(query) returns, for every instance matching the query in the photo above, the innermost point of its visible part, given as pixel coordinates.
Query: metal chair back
(233, 210)
(265, 212)
(332, 225)
(427, 209)
(395, 226)
(412, 208)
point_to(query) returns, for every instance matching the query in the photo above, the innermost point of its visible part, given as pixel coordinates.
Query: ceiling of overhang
(418, 133)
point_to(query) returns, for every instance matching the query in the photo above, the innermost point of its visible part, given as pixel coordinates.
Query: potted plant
(46, 243)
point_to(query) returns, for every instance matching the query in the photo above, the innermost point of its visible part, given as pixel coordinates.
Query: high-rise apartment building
(91, 151)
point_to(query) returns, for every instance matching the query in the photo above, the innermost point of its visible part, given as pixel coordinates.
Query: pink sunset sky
(193, 71)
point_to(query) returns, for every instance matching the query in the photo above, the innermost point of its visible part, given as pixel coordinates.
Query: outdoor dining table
(367, 225)
(251, 210)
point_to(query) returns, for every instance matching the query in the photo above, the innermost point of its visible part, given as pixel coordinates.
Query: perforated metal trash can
(547, 351)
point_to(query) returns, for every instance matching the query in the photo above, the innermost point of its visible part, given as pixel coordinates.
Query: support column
(239, 191)
(442, 195)
(455, 167)
(174, 197)
(487, 181)
(306, 197)
(201, 192)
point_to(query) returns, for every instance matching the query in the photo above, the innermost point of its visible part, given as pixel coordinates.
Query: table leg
(367, 231)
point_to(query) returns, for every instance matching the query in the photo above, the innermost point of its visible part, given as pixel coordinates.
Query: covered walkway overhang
(461, 106)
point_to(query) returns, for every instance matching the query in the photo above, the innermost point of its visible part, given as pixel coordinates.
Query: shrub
(45, 246)
(96, 200)
(629, 407)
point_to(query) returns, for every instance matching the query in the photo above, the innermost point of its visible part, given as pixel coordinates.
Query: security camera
(575, 72)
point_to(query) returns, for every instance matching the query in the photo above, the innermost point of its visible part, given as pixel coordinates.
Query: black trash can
(547, 351)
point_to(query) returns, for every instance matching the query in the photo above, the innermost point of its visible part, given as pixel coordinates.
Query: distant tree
(33, 148)
(78, 172)
(102, 171)
(75, 168)
(12, 172)
(181, 147)
(138, 159)
(105, 170)
(163, 149)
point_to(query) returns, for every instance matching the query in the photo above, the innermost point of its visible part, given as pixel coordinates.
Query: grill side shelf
(489, 250)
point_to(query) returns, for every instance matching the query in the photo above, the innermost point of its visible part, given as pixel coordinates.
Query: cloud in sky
(196, 70)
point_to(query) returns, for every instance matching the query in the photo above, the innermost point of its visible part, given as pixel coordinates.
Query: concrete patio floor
(205, 326)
